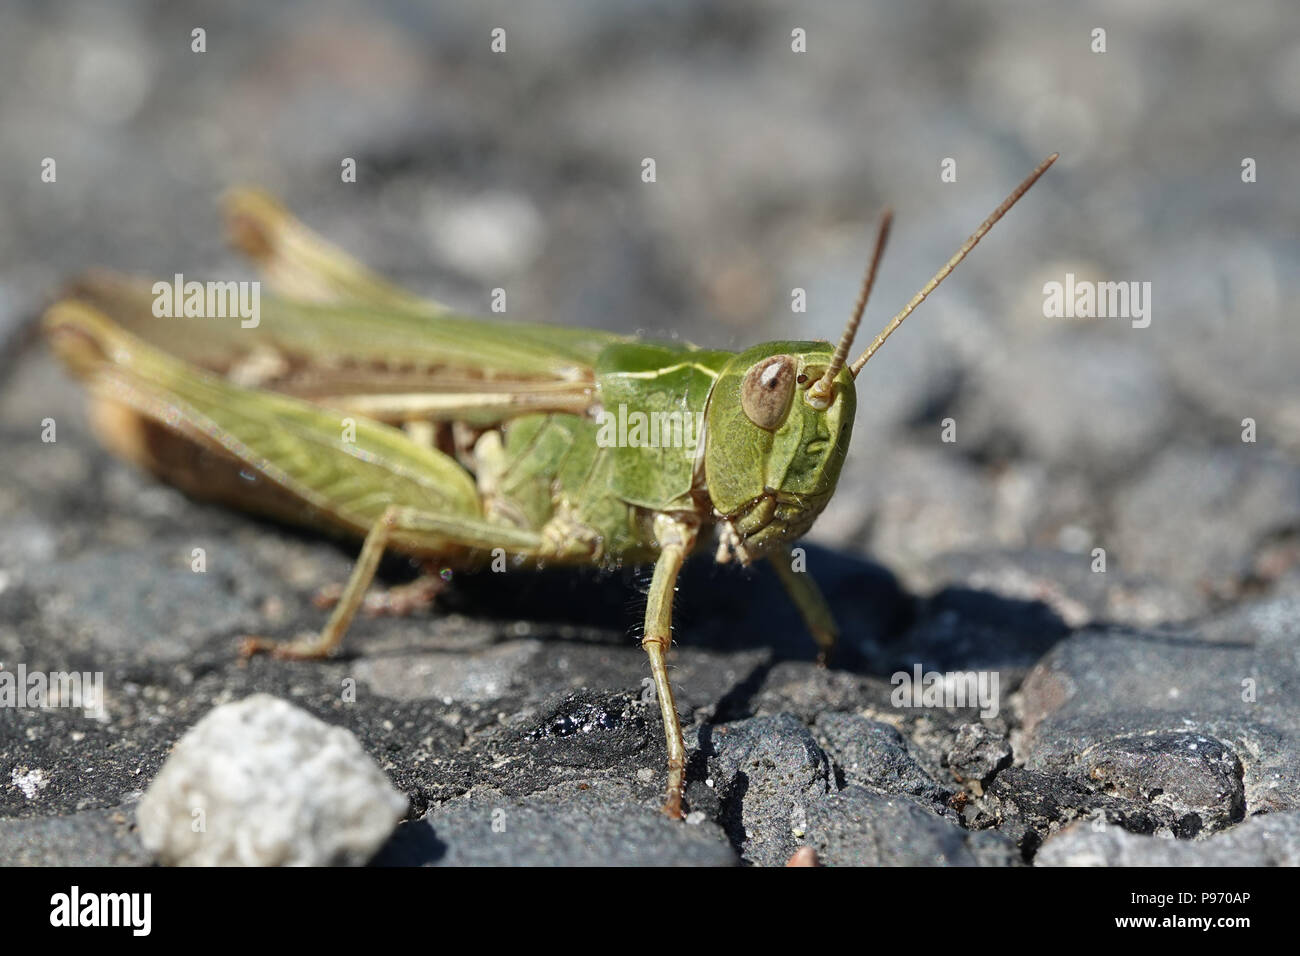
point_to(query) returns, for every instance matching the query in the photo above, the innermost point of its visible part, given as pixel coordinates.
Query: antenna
(819, 393)
(942, 274)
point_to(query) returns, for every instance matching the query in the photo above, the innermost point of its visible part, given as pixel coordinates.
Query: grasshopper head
(780, 416)
(772, 455)
(777, 430)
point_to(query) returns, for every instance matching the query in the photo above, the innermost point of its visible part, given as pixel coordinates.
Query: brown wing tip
(76, 332)
(254, 221)
(98, 284)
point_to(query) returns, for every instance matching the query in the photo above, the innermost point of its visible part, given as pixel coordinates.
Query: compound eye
(766, 392)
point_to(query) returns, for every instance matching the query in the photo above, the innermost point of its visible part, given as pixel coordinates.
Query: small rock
(29, 782)
(1196, 777)
(804, 856)
(263, 783)
(875, 755)
(1271, 839)
(1231, 679)
(1027, 805)
(769, 772)
(978, 754)
(856, 827)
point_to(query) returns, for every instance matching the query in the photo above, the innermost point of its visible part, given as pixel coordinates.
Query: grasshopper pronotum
(358, 407)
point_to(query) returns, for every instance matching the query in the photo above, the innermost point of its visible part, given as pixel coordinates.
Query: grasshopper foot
(672, 808)
(676, 784)
(305, 648)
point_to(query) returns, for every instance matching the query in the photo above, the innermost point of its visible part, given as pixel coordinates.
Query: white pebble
(263, 783)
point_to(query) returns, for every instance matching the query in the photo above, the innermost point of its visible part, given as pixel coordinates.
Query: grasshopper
(357, 407)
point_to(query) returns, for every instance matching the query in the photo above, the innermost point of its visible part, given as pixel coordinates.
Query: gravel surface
(1145, 713)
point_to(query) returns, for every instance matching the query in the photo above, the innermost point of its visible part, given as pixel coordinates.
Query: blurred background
(522, 169)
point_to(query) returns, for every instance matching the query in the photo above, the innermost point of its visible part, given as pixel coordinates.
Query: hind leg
(408, 523)
(401, 600)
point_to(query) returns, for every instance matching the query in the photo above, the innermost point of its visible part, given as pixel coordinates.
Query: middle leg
(812, 606)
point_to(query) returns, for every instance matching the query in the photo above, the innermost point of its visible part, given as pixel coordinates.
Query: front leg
(675, 538)
(807, 597)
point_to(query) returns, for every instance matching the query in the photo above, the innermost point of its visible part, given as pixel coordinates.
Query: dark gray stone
(119, 615)
(806, 690)
(1191, 777)
(1026, 805)
(1270, 839)
(768, 773)
(967, 629)
(874, 755)
(579, 737)
(90, 838)
(978, 753)
(1070, 398)
(602, 824)
(856, 827)
(1196, 777)
(1197, 723)
(1198, 517)
(1066, 583)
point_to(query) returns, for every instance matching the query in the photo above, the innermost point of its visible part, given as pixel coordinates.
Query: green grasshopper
(356, 407)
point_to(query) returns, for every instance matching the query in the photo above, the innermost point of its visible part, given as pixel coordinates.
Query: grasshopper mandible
(357, 407)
